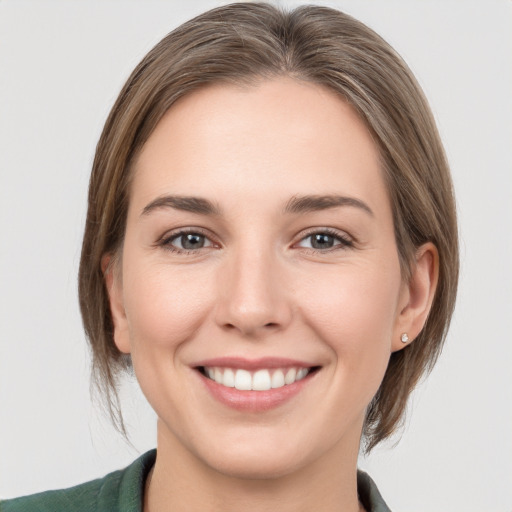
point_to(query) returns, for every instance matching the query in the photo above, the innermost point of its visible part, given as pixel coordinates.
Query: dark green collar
(123, 491)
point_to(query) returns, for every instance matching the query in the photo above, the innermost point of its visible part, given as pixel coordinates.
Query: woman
(271, 242)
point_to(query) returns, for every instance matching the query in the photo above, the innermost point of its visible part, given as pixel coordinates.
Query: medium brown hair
(243, 43)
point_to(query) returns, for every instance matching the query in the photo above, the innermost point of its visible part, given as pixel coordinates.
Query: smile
(260, 380)
(254, 385)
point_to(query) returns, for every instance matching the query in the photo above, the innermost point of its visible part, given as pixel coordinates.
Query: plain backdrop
(61, 67)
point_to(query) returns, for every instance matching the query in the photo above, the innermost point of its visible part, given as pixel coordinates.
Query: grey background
(61, 67)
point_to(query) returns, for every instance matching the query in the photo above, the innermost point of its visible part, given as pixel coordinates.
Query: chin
(256, 465)
(247, 453)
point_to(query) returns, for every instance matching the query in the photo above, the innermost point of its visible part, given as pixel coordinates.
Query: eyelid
(165, 240)
(346, 241)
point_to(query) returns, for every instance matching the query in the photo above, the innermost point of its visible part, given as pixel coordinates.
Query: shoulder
(120, 490)
(369, 494)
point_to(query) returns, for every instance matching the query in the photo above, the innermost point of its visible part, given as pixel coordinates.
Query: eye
(187, 241)
(325, 240)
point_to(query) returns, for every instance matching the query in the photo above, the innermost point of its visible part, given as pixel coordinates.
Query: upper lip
(252, 364)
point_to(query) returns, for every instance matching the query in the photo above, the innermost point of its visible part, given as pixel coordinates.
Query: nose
(252, 297)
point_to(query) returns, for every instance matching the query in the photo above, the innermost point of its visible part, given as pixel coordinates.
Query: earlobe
(417, 296)
(113, 283)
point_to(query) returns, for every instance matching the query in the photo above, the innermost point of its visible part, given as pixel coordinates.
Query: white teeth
(229, 378)
(278, 379)
(243, 380)
(301, 374)
(217, 375)
(260, 380)
(290, 376)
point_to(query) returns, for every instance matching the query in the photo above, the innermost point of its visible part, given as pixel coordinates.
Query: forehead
(282, 135)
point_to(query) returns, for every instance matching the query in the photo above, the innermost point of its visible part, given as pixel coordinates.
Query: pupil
(192, 241)
(322, 241)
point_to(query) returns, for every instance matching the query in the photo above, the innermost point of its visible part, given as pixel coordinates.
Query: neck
(182, 482)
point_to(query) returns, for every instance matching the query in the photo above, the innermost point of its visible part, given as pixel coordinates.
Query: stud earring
(404, 338)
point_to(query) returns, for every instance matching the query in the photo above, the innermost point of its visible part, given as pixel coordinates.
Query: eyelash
(166, 240)
(344, 241)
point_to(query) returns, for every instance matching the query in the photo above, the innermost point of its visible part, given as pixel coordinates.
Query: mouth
(254, 386)
(263, 379)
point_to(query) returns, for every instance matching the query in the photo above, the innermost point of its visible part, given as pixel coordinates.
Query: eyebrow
(314, 203)
(185, 203)
(297, 204)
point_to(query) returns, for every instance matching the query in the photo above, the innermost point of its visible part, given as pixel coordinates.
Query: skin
(257, 288)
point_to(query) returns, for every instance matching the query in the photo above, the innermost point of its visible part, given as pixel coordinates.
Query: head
(244, 46)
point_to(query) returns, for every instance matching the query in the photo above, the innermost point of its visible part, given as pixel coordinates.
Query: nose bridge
(252, 297)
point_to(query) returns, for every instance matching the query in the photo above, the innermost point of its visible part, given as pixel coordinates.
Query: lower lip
(255, 401)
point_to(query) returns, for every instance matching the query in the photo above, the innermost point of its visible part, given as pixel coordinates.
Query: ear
(417, 295)
(114, 285)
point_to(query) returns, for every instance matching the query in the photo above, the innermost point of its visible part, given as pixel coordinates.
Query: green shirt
(123, 491)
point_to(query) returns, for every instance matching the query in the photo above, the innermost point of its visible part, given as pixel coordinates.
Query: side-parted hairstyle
(244, 43)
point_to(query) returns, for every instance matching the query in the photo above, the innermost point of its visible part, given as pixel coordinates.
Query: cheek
(354, 312)
(163, 308)
(356, 300)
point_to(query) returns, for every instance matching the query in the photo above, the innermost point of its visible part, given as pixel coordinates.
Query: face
(259, 292)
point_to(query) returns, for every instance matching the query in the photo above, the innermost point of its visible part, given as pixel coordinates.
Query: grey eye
(322, 241)
(190, 241)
